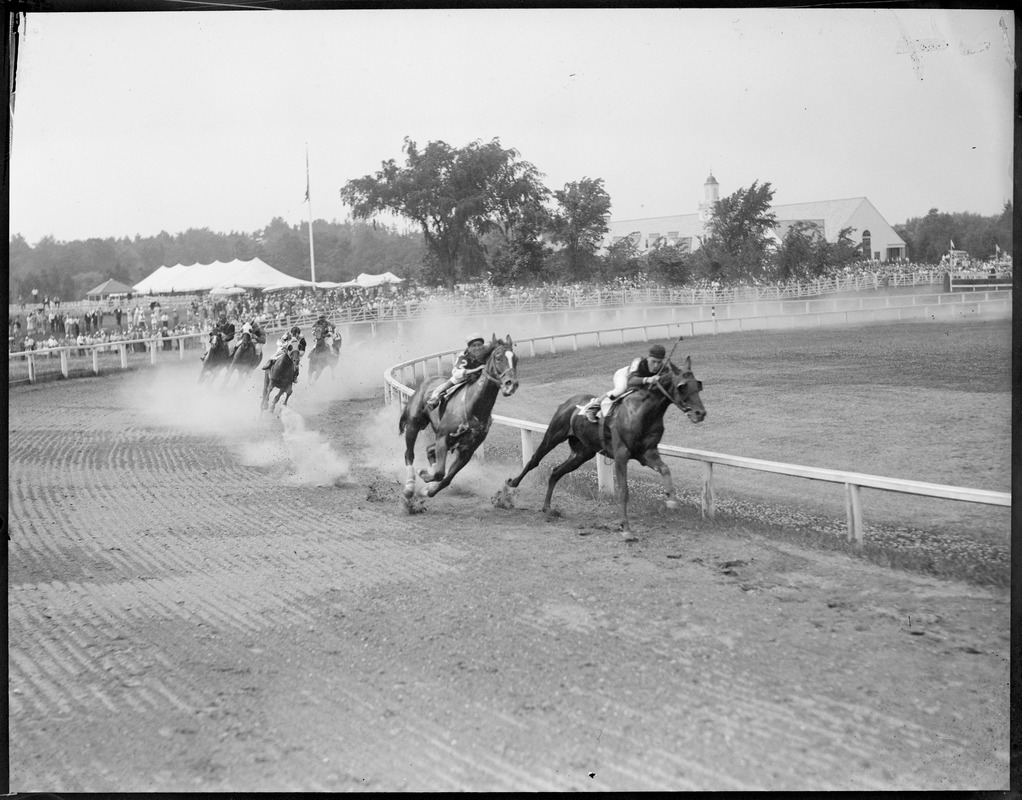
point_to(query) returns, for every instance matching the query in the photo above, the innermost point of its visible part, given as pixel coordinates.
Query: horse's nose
(698, 415)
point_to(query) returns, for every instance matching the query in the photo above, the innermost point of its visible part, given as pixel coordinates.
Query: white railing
(395, 389)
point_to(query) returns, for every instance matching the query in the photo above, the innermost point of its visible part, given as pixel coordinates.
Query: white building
(869, 228)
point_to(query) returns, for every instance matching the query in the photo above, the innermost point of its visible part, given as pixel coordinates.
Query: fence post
(181, 347)
(95, 360)
(64, 365)
(31, 367)
(709, 505)
(528, 448)
(124, 355)
(605, 474)
(151, 344)
(853, 507)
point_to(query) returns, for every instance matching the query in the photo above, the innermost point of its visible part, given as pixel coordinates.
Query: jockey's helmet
(658, 351)
(296, 331)
(474, 337)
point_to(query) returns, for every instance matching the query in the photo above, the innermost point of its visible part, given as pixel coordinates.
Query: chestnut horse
(460, 423)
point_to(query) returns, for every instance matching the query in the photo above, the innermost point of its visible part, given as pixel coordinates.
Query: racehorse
(321, 357)
(460, 423)
(632, 430)
(281, 377)
(217, 356)
(244, 360)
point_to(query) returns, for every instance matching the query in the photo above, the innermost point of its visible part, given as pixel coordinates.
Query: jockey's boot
(591, 411)
(434, 399)
(269, 364)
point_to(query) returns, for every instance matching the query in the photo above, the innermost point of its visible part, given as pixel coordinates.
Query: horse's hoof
(627, 536)
(552, 513)
(414, 505)
(673, 504)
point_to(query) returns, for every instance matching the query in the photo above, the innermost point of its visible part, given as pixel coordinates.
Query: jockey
(224, 328)
(322, 328)
(292, 341)
(643, 371)
(255, 330)
(469, 362)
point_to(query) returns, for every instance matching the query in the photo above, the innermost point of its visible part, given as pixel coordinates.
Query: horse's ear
(688, 363)
(493, 338)
(509, 342)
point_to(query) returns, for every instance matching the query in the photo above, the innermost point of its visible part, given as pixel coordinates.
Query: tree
(579, 224)
(669, 264)
(802, 254)
(455, 195)
(736, 244)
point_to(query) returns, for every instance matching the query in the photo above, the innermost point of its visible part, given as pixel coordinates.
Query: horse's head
(215, 339)
(246, 337)
(681, 386)
(502, 365)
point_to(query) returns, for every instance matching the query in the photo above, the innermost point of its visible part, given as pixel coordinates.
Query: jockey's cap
(658, 351)
(474, 337)
(296, 330)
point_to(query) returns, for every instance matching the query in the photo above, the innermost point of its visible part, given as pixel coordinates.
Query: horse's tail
(402, 421)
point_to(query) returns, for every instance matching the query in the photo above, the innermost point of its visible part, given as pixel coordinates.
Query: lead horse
(461, 423)
(632, 430)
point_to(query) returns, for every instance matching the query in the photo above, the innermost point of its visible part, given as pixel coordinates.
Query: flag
(952, 241)
(997, 248)
(307, 181)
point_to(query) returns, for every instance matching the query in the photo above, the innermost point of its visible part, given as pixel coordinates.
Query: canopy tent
(252, 274)
(368, 281)
(107, 288)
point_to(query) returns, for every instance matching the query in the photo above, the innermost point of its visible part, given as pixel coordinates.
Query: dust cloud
(284, 444)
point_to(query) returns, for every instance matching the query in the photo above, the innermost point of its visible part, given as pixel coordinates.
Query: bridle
(684, 405)
(498, 379)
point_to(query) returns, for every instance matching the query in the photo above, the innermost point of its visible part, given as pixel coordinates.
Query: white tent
(366, 280)
(252, 274)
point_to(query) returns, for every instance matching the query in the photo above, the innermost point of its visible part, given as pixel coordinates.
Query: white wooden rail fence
(412, 370)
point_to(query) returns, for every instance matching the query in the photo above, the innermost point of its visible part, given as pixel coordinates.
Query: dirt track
(190, 611)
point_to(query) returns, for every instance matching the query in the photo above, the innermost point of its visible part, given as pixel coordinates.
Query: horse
(632, 430)
(244, 360)
(460, 423)
(321, 357)
(279, 376)
(217, 356)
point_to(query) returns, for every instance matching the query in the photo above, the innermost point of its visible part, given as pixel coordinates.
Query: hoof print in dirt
(373, 494)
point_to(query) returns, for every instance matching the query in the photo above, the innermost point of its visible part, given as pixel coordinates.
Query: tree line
(481, 212)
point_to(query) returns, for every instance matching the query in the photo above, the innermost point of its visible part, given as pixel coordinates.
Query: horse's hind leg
(444, 477)
(578, 457)
(550, 441)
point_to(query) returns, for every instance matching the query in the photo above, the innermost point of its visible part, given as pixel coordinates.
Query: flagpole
(308, 198)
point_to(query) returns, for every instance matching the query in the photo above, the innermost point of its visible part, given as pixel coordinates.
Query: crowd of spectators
(79, 324)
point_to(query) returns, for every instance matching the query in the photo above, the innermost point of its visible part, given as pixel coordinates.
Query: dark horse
(632, 431)
(280, 376)
(460, 423)
(217, 356)
(244, 360)
(321, 357)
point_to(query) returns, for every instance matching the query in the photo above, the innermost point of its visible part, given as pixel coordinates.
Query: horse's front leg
(653, 460)
(443, 478)
(621, 456)
(411, 434)
(437, 455)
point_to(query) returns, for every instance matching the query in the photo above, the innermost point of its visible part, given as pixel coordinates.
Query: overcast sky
(133, 123)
